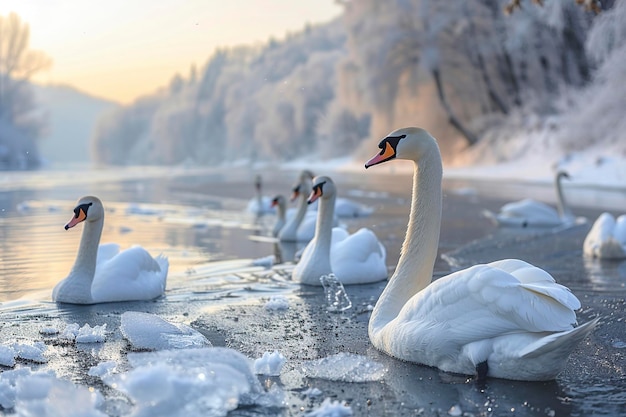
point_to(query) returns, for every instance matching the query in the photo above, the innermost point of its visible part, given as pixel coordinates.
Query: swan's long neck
(302, 207)
(81, 277)
(419, 250)
(324, 225)
(561, 204)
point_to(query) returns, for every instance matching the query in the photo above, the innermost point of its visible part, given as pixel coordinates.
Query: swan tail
(560, 344)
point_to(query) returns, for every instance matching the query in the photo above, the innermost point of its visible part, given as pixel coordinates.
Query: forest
(481, 75)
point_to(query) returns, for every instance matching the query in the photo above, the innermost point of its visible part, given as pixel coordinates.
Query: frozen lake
(198, 219)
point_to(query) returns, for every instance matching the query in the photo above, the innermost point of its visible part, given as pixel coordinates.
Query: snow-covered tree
(20, 124)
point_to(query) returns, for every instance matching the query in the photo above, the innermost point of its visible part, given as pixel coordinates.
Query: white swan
(301, 226)
(532, 213)
(105, 274)
(280, 204)
(346, 208)
(607, 238)
(260, 204)
(506, 319)
(354, 259)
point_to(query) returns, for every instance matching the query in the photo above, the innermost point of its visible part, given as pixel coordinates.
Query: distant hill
(71, 116)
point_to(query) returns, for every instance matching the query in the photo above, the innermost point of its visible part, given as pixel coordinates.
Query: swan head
(278, 201)
(406, 143)
(322, 187)
(303, 184)
(88, 208)
(562, 174)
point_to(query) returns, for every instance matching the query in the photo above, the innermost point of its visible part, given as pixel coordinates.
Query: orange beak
(81, 216)
(315, 194)
(386, 154)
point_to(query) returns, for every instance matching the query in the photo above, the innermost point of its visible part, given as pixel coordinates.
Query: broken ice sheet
(198, 381)
(346, 367)
(337, 299)
(151, 332)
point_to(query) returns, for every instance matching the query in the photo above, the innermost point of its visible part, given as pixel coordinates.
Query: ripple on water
(603, 399)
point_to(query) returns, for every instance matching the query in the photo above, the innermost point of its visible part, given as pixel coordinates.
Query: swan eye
(319, 188)
(83, 208)
(392, 141)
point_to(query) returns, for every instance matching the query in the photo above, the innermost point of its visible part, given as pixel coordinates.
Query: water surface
(198, 219)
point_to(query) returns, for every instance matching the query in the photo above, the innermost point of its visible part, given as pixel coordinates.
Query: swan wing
(106, 251)
(620, 230)
(529, 210)
(347, 208)
(486, 301)
(133, 274)
(359, 258)
(607, 238)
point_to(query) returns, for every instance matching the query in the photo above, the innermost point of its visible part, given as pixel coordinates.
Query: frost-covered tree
(20, 124)
(480, 61)
(258, 102)
(594, 116)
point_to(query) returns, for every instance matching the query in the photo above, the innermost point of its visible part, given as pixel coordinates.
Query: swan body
(506, 319)
(101, 273)
(346, 208)
(532, 213)
(607, 238)
(357, 258)
(260, 204)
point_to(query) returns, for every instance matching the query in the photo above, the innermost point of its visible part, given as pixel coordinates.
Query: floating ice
(188, 382)
(49, 330)
(43, 394)
(336, 297)
(28, 352)
(70, 332)
(46, 395)
(346, 367)
(455, 411)
(330, 408)
(102, 369)
(151, 332)
(277, 302)
(270, 364)
(88, 334)
(312, 392)
(7, 356)
(266, 262)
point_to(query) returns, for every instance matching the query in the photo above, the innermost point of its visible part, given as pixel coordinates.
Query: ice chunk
(346, 367)
(312, 392)
(33, 353)
(70, 332)
(270, 364)
(102, 369)
(277, 302)
(49, 330)
(7, 355)
(336, 297)
(183, 382)
(265, 262)
(151, 332)
(43, 394)
(46, 395)
(331, 408)
(455, 411)
(88, 334)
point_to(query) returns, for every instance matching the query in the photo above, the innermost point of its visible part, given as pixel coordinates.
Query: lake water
(198, 219)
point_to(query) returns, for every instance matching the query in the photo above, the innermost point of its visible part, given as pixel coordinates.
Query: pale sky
(122, 49)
